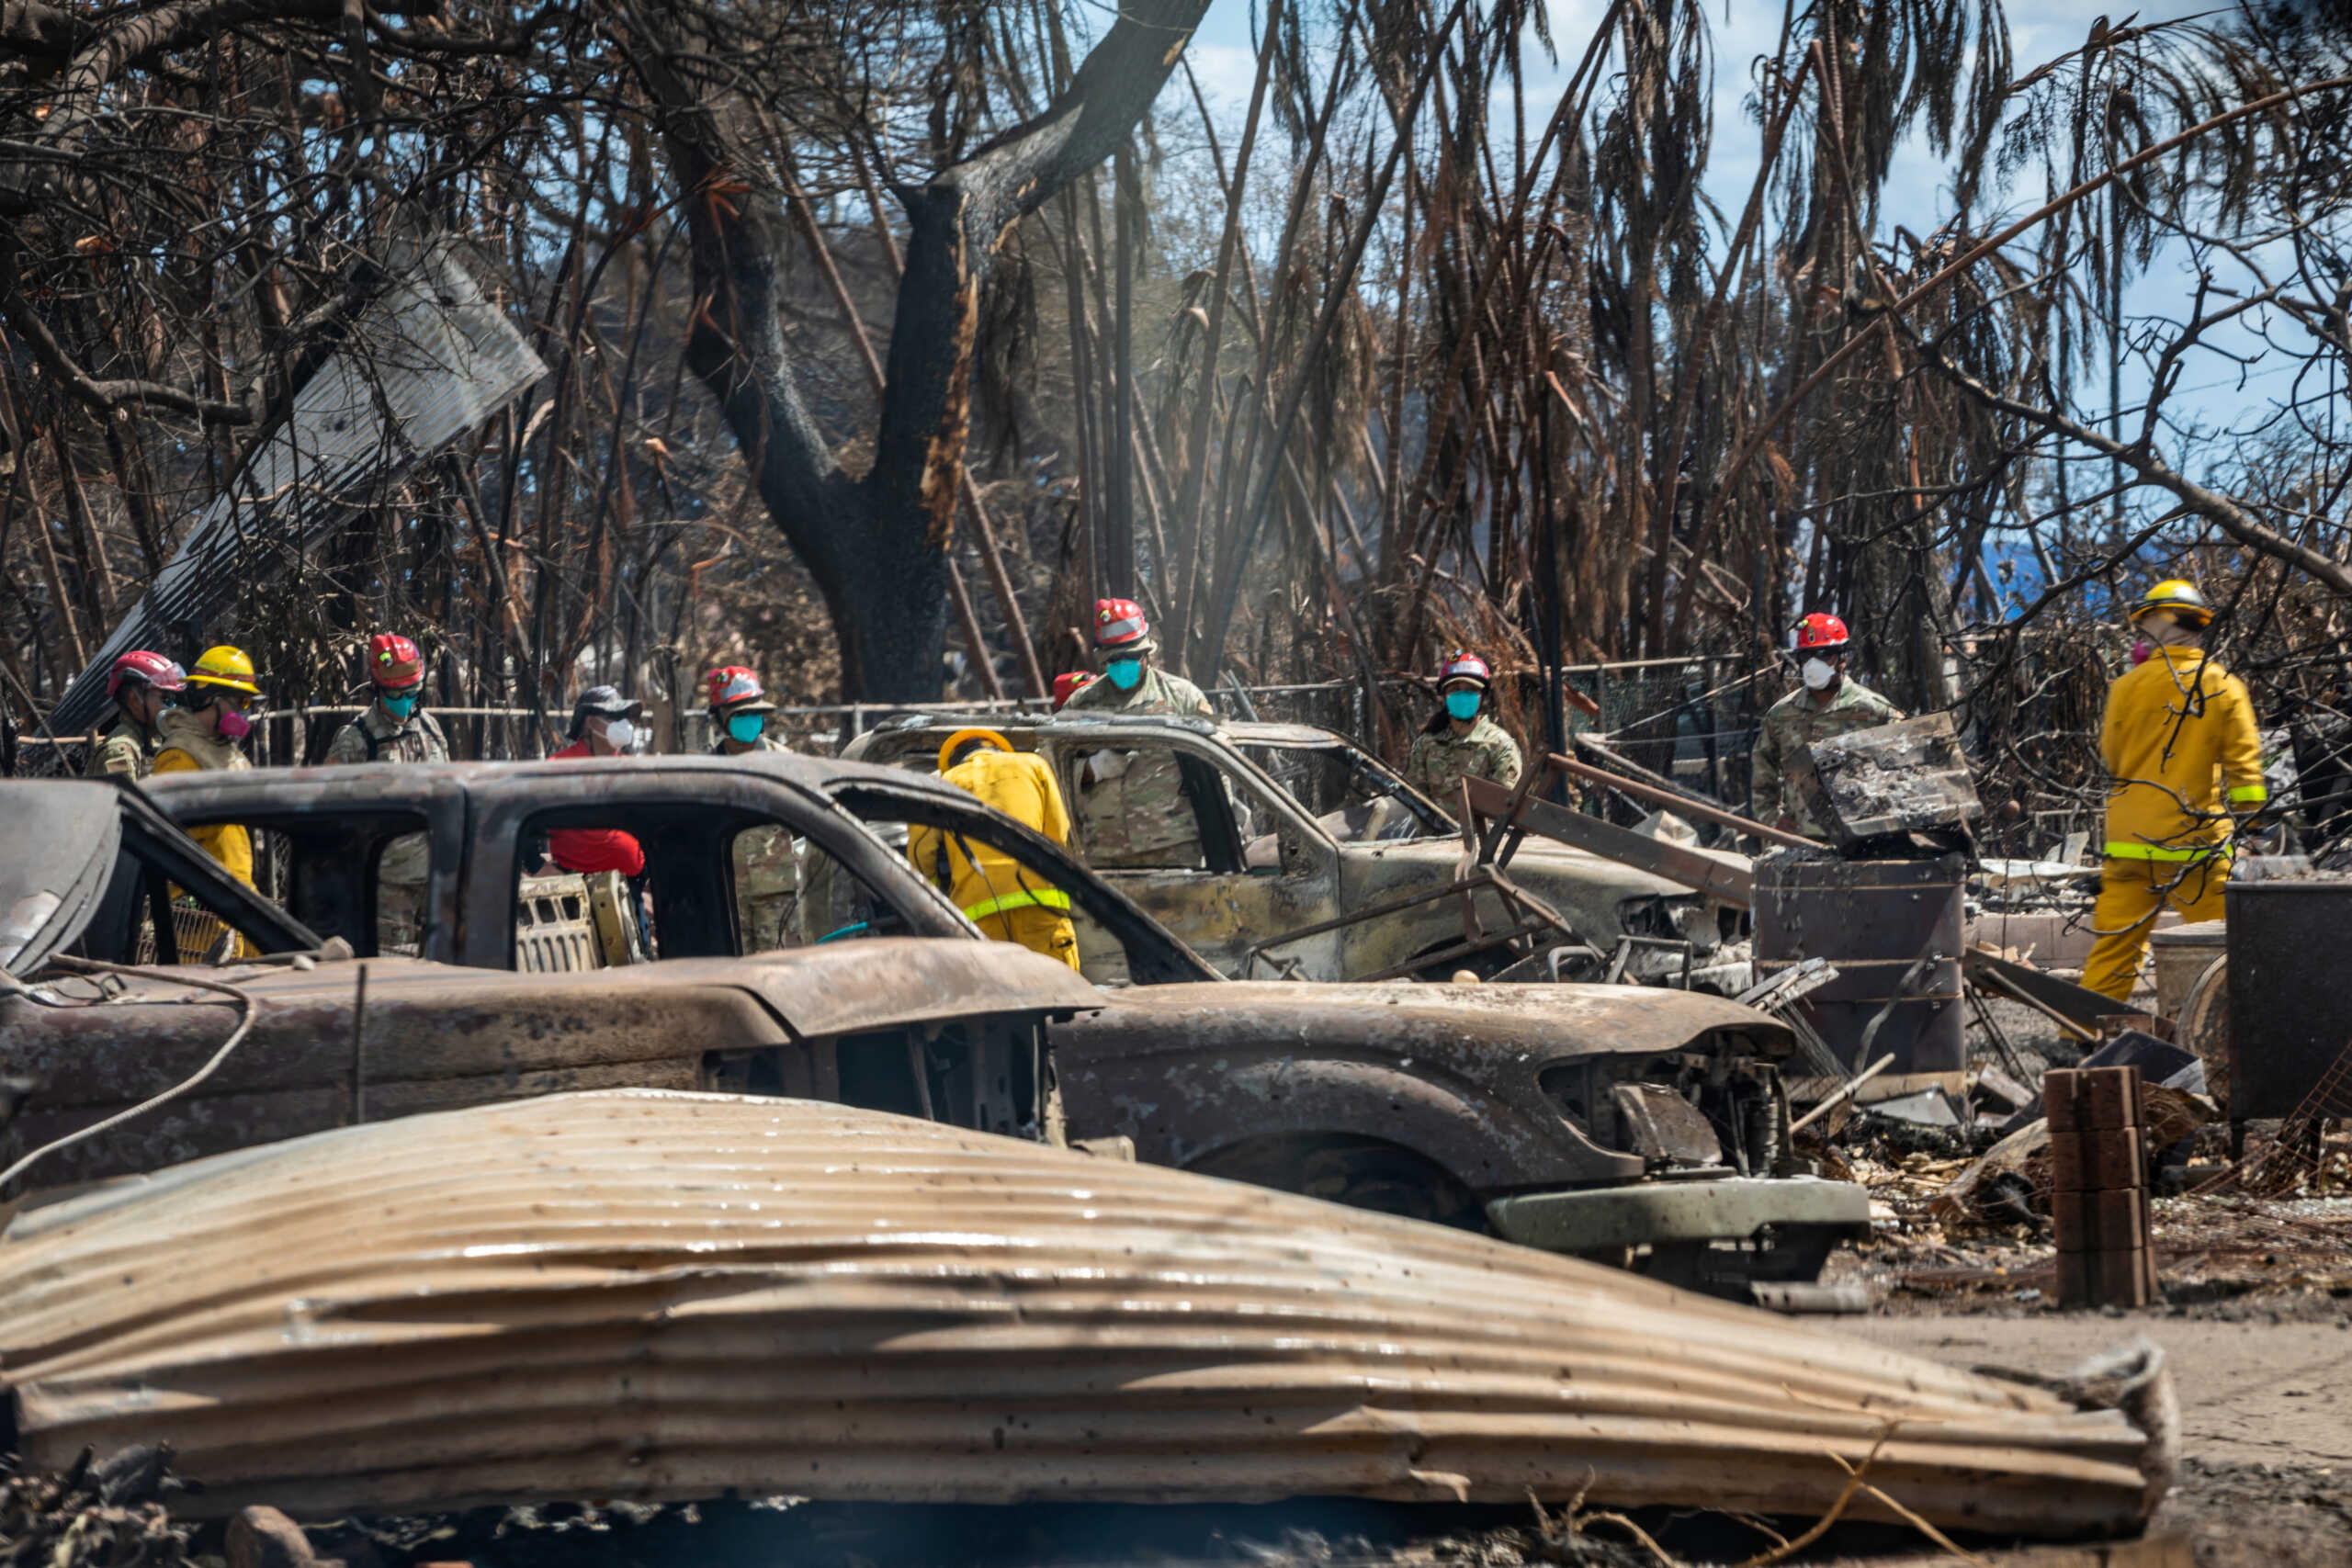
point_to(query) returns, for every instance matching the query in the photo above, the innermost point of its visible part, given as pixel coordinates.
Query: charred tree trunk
(877, 546)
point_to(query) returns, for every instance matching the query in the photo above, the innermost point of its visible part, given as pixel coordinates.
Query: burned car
(311, 1038)
(1296, 827)
(1634, 1124)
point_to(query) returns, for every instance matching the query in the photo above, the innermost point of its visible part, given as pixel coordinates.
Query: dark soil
(2262, 1516)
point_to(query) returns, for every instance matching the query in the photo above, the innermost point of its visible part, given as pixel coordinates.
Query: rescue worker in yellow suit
(2184, 762)
(203, 734)
(1005, 900)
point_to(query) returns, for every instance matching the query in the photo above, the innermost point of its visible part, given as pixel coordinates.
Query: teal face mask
(1124, 674)
(400, 707)
(746, 727)
(1463, 705)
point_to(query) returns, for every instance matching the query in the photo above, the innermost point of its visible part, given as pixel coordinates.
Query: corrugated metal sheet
(427, 362)
(633, 1294)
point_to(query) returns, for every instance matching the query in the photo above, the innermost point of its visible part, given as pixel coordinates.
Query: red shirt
(591, 849)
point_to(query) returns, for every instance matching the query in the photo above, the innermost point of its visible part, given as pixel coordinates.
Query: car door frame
(1155, 955)
(1310, 865)
(500, 806)
(320, 812)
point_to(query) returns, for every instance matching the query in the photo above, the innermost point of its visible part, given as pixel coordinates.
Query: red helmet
(1068, 684)
(1463, 665)
(1119, 627)
(1818, 633)
(393, 661)
(141, 668)
(736, 690)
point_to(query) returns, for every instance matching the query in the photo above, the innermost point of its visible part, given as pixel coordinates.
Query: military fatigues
(1132, 810)
(401, 876)
(128, 750)
(765, 877)
(1439, 761)
(1795, 723)
(377, 737)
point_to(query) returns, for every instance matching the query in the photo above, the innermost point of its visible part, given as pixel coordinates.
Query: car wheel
(1358, 1173)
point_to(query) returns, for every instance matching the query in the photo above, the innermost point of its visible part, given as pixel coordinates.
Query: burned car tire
(1357, 1173)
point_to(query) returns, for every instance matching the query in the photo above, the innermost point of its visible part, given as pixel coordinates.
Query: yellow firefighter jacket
(2181, 752)
(983, 882)
(190, 746)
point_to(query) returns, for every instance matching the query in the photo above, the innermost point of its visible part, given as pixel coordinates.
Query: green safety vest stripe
(2118, 850)
(1050, 898)
(2249, 794)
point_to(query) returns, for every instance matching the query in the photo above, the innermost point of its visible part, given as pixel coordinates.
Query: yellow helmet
(2177, 594)
(226, 667)
(948, 748)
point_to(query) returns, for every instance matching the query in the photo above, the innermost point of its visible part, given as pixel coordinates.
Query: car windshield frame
(1432, 817)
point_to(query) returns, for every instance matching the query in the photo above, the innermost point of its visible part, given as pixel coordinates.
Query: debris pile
(93, 1514)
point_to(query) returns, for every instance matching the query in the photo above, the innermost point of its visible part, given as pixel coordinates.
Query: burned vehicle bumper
(1764, 1228)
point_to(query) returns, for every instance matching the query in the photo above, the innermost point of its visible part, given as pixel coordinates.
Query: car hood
(1563, 1020)
(64, 838)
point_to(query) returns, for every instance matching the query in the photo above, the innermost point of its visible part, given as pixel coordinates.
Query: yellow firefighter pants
(2131, 893)
(1036, 928)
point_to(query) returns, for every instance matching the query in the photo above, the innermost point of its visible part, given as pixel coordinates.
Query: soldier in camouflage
(394, 728)
(1132, 810)
(1459, 740)
(140, 685)
(766, 879)
(1830, 703)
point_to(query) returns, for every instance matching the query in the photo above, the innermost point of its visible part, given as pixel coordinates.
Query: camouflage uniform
(377, 737)
(766, 879)
(1795, 723)
(1157, 692)
(1437, 762)
(1131, 805)
(128, 750)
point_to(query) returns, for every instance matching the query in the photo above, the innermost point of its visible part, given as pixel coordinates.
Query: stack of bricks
(2098, 1181)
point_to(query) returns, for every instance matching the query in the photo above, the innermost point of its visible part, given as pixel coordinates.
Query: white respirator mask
(621, 735)
(1817, 673)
